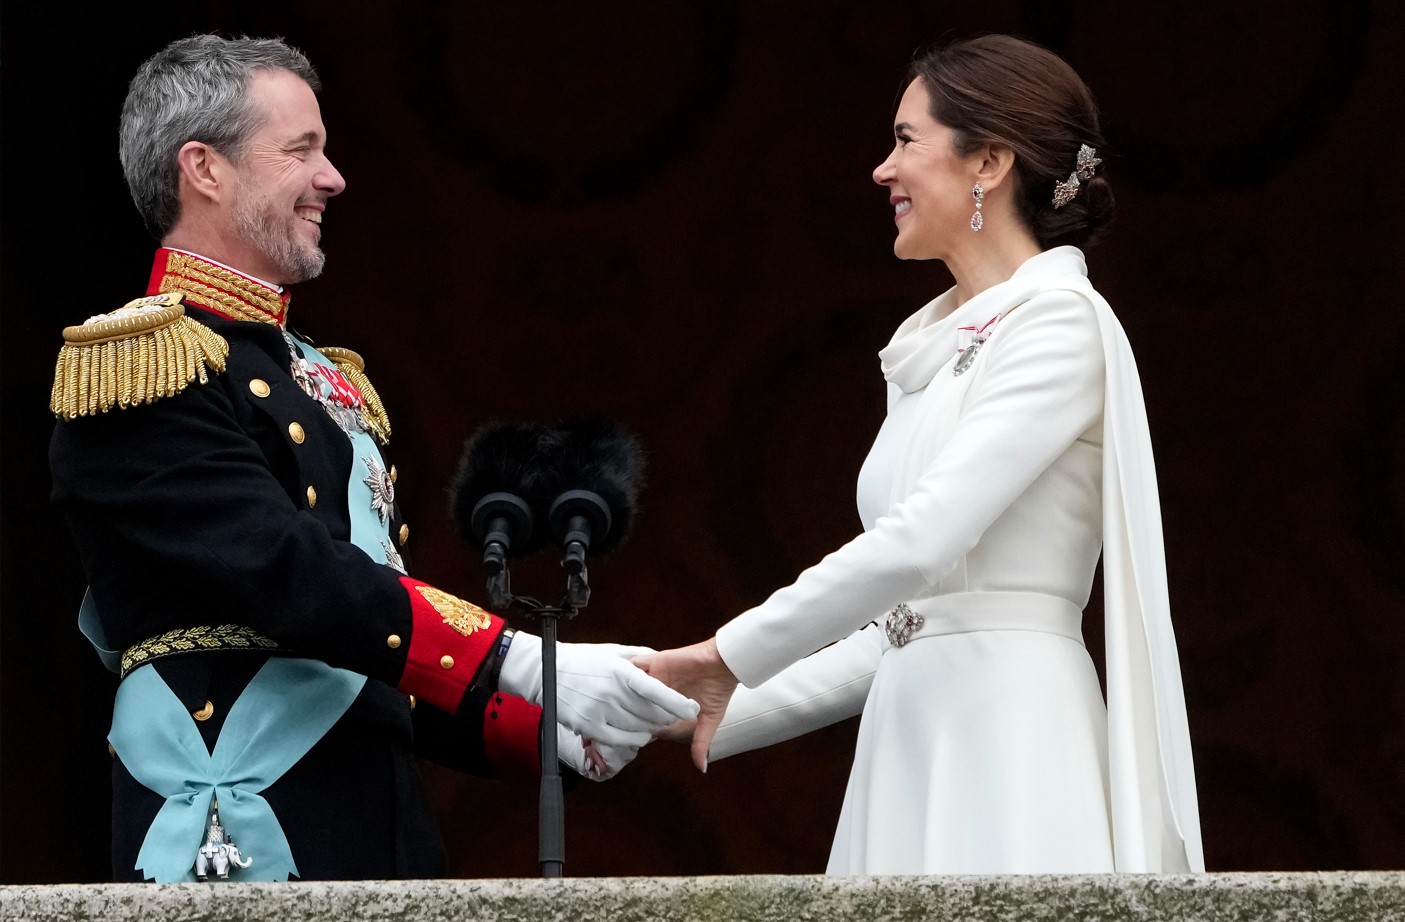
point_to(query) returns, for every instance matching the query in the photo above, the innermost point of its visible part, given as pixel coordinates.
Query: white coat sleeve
(825, 687)
(1042, 388)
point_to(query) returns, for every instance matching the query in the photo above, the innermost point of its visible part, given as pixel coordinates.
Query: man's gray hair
(194, 89)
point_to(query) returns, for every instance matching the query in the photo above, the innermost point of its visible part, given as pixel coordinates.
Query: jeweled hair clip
(1083, 170)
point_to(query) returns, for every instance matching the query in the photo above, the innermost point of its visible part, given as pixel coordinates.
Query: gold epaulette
(146, 350)
(354, 367)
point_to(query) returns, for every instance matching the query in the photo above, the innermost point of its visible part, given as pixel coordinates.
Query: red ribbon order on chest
(339, 389)
(967, 336)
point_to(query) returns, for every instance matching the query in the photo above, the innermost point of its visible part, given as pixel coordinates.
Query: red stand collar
(217, 289)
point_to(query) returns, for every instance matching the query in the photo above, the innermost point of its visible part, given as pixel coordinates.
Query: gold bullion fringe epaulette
(146, 350)
(354, 367)
(192, 639)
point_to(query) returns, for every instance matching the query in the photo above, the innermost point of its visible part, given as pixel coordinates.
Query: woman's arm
(1042, 389)
(825, 687)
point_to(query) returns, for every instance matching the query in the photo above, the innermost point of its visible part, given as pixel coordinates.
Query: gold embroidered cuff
(464, 617)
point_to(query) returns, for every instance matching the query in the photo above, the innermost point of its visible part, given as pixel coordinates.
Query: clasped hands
(699, 672)
(612, 699)
(606, 707)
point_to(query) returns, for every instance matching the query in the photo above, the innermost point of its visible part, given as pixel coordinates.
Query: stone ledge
(1341, 896)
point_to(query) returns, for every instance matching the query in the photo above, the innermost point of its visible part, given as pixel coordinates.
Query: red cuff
(512, 736)
(449, 640)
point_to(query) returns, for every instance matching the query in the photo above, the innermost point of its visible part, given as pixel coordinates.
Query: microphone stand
(551, 810)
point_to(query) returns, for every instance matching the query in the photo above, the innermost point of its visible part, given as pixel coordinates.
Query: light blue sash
(287, 707)
(368, 531)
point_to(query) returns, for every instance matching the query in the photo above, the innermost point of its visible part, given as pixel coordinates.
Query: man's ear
(203, 170)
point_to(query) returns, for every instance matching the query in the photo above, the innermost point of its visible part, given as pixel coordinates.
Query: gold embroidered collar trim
(216, 288)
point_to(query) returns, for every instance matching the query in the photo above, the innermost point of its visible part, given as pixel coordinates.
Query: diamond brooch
(902, 622)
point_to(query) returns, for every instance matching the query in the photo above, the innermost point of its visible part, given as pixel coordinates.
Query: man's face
(283, 182)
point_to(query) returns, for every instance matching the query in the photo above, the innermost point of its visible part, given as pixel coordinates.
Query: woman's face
(929, 184)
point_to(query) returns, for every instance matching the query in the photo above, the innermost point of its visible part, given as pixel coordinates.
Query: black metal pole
(551, 817)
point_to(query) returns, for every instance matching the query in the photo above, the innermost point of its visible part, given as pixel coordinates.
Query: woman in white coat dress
(1015, 450)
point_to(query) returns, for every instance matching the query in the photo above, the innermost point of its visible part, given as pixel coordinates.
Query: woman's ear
(996, 162)
(202, 169)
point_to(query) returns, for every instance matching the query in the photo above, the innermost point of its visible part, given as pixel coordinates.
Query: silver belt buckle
(902, 622)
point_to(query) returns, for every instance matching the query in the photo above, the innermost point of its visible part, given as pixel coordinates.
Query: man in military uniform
(236, 517)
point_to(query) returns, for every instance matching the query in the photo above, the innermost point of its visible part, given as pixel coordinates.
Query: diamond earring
(977, 219)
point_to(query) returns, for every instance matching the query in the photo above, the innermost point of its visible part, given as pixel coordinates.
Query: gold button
(404, 534)
(394, 474)
(110, 751)
(259, 386)
(446, 661)
(393, 641)
(412, 702)
(295, 431)
(311, 497)
(205, 713)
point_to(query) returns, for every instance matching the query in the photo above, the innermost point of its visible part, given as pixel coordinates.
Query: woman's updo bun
(1080, 222)
(1004, 90)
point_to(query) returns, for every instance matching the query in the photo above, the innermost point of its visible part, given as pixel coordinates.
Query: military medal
(392, 556)
(969, 341)
(965, 357)
(308, 376)
(297, 367)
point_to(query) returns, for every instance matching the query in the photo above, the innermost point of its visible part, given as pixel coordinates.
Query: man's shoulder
(144, 351)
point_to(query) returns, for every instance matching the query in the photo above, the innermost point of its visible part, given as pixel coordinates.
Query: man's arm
(181, 521)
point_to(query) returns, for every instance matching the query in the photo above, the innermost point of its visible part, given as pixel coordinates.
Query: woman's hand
(699, 673)
(680, 732)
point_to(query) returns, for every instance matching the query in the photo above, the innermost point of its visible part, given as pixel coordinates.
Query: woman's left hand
(698, 672)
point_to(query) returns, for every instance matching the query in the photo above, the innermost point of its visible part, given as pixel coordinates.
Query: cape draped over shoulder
(1155, 816)
(1154, 813)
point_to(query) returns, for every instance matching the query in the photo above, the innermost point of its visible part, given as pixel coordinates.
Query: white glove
(600, 694)
(590, 759)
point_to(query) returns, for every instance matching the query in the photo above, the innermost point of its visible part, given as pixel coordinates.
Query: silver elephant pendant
(218, 855)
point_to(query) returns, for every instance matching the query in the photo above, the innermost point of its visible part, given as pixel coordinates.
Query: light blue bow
(287, 707)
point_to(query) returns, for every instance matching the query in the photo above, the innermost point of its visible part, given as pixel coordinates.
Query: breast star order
(382, 489)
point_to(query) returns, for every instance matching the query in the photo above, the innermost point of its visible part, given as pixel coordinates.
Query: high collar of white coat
(925, 342)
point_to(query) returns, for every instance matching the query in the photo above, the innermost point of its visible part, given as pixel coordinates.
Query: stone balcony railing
(1345, 896)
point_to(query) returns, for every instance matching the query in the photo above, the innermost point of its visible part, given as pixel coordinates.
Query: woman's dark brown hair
(1004, 90)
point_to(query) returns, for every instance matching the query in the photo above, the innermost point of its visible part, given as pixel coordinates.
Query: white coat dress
(985, 745)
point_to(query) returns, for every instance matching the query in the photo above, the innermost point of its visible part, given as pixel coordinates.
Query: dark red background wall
(662, 211)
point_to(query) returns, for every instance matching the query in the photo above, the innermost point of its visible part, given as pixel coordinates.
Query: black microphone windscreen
(599, 455)
(502, 457)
